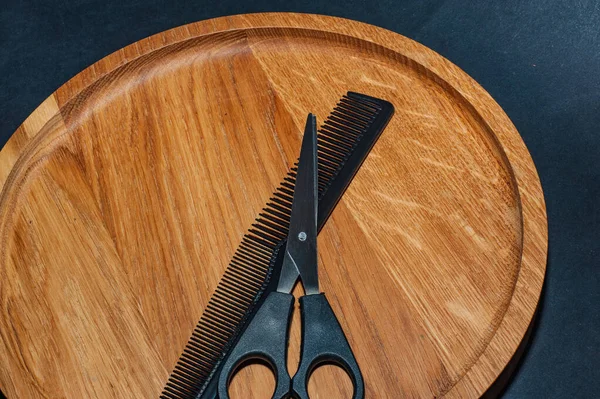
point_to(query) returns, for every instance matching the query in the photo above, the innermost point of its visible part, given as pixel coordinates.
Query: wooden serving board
(126, 192)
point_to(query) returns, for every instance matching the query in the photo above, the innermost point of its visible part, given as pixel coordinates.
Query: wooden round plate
(126, 192)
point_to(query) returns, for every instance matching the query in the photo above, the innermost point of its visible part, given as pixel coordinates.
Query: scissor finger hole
(255, 373)
(330, 381)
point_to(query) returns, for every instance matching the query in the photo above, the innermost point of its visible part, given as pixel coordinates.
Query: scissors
(266, 337)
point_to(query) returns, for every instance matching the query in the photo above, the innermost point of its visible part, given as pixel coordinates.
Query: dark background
(540, 60)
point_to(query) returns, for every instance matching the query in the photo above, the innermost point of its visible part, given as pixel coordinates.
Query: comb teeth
(247, 275)
(340, 134)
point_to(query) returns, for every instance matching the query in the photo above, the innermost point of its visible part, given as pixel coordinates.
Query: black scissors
(266, 337)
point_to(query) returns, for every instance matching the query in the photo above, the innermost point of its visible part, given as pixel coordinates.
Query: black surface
(540, 60)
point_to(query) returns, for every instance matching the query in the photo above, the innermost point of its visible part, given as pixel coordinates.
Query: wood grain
(126, 192)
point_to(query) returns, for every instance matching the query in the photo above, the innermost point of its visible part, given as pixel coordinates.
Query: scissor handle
(323, 341)
(265, 338)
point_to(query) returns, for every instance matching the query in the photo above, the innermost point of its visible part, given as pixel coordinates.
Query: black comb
(344, 141)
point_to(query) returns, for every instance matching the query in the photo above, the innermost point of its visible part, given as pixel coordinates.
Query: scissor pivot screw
(302, 236)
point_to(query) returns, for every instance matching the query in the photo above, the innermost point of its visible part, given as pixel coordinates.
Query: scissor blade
(301, 250)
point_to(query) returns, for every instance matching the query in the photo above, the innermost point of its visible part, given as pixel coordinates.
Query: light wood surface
(126, 192)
